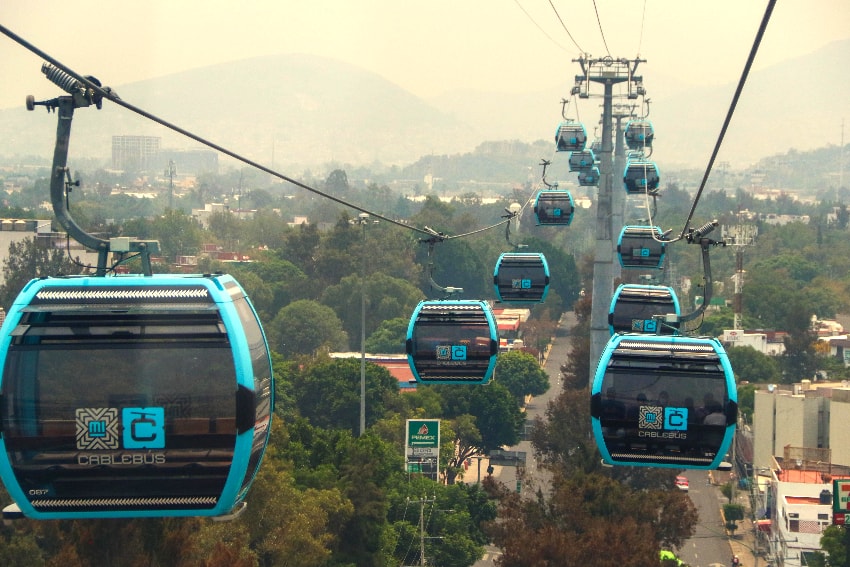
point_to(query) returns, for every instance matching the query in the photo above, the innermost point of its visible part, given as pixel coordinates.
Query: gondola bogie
(133, 396)
(554, 207)
(521, 277)
(663, 401)
(589, 177)
(582, 161)
(641, 247)
(640, 176)
(452, 342)
(570, 136)
(651, 309)
(639, 134)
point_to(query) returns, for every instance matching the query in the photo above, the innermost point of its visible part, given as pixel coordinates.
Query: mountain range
(300, 111)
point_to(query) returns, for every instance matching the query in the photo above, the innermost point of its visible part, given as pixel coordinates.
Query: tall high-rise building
(135, 153)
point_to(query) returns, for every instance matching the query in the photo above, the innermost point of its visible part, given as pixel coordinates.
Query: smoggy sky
(427, 48)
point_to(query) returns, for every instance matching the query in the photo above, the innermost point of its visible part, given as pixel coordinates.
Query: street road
(709, 546)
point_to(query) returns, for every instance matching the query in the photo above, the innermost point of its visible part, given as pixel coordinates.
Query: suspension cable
(598, 21)
(738, 90)
(563, 25)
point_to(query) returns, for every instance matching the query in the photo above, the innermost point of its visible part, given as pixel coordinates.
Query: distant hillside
(301, 111)
(796, 104)
(293, 109)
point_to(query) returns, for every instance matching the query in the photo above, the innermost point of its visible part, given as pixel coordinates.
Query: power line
(108, 94)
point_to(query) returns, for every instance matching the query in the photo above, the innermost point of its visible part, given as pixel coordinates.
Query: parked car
(682, 483)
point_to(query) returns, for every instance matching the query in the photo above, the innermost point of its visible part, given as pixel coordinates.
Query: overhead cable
(738, 90)
(602, 33)
(563, 25)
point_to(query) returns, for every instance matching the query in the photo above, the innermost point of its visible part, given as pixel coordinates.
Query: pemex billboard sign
(423, 439)
(422, 447)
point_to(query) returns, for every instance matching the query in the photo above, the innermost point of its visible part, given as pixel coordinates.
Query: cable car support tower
(608, 72)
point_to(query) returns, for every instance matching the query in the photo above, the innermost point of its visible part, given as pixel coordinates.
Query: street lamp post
(362, 219)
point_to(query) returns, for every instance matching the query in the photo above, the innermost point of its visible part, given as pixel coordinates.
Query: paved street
(711, 546)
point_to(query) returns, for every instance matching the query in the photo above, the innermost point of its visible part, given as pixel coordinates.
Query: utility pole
(739, 236)
(608, 72)
(363, 220)
(422, 502)
(172, 169)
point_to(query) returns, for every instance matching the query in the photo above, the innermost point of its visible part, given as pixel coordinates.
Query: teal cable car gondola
(640, 176)
(570, 136)
(554, 207)
(132, 396)
(452, 342)
(663, 401)
(582, 161)
(639, 134)
(521, 277)
(644, 309)
(589, 177)
(641, 247)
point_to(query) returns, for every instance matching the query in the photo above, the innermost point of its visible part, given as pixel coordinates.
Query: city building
(799, 447)
(136, 153)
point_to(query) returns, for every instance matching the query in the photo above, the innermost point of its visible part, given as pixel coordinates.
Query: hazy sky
(427, 47)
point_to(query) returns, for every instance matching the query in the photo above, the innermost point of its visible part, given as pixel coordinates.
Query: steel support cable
(642, 21)
(738, 90)
(538, 26)
(563, 25)
(109, 95)
(602, 33)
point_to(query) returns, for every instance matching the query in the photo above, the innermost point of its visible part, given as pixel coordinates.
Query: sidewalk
(742, 543)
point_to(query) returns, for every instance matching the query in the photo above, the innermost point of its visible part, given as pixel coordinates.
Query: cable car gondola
(663, 401)
(452, 342)
(582, 161)
(521, 277)
(641, 247)
(639, 134)
(641, 309)
(554, 207)
(640, 176)
(132, 396)
(570, 136)
(589, 177)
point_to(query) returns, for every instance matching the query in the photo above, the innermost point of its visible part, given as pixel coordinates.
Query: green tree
(328, 393)
(178, 234)
(753, 366)
(304, 327)
(521, 374)
(29, 259)
(389, 337)
(483, 418)
(227, 228)
(835, 543)
(583, 515)
(283, 279)
(386, 298)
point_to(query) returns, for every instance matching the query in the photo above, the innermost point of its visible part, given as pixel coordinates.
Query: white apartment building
(799, 446)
